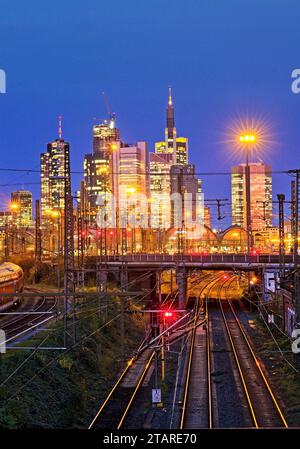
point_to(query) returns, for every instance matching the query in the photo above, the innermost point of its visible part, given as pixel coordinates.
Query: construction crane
(111, 115)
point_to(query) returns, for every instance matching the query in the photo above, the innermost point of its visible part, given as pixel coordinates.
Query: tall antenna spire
(170, 101)
(60, 126)
(170, 113)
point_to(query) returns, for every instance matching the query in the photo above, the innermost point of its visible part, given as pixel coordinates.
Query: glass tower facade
(260, 194)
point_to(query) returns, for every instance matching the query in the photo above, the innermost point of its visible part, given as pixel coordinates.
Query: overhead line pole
(69, 249)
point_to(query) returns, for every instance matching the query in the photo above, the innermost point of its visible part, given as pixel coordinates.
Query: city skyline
(159, 148)
(258, 86)
(149, 218)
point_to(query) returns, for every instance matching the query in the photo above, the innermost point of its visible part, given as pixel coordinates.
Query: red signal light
(225, 276)
(168, 314)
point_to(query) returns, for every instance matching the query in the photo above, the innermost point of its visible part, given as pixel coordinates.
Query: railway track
(263, 407)
(16, 325)
(197, 406)
(237, 395)
(212, 397)
(114, 410)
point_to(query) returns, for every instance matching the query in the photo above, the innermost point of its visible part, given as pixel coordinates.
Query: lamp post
(247, 140)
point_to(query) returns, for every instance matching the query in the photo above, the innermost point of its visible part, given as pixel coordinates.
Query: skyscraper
(177, 146)
(133, 183)
(101, 167)
(185, 183)
(53, 175)
(260, 194)
(170, 131)
(160, 189)
(22, 212)
(134, 168)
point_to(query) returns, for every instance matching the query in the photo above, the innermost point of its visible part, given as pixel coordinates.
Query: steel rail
(241, 374)
(138, 386)
(208, 369)
(129, 365)
(257, 364)
(190, 359)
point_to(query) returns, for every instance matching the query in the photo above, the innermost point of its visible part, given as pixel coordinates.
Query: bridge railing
(202, 258)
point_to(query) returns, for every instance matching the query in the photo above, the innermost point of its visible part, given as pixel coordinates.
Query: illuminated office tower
(21, 207)
(133, 168)
(5, 218)
(133, 182)
(53, 175)
(101, 167)
(185, 183)
(160, 189)
(181, 151)
(260, 195)
(177, 146)
(170, 131)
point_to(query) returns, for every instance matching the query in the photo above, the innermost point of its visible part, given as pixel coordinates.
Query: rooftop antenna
(170, 100)
(60, 126)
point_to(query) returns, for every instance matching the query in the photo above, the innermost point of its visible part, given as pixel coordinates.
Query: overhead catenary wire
(102, 326)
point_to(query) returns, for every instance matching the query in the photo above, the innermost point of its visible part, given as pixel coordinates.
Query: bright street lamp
(248, 139)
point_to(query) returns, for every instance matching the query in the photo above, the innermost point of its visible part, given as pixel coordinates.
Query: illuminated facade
(267, 239)
(21, 206)
(160, 188)
(176, 146)
(53, 176)
(134, 168)
(191, 209)
(260, 194)
(101, 167)
(5, 218)
(133, 182)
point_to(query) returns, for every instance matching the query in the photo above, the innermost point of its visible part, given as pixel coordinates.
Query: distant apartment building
(260, 194)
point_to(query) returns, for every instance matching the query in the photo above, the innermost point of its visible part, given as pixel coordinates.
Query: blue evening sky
(223, 58)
